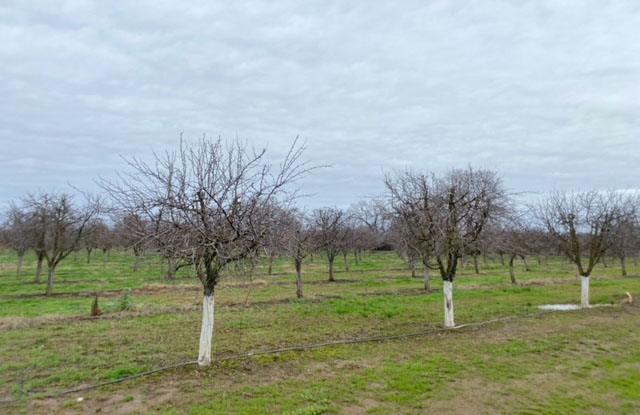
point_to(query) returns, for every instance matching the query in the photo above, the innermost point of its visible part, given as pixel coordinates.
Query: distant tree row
(213, 204)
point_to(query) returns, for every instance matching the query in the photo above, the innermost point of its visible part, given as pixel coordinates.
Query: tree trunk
(171, 270)
(355, 257)
(52, 274)
(484, 259)
(136, 264)
(539, 260)
(476, 268)
(526, 265)
(270, 270)
(331, 269)
(299, 279)
(206, 334)
(95, 308)
(502, 258)
(623, 264)
(427, 277)
(448, 304)
(346, 262)
(20, 262)
(311, 258)
(584, 298)
(512, 271)
(412, 263)
(105, 257)
(39, 267)
(89, 256)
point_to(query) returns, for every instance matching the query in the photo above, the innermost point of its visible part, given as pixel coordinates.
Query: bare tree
(330, 230)
(221, 194)
(300, 241)
(17, 234)
(445, 217)
(514, 236)
(59, 224)
(468, 200)
(626, 241)
(134, 232)
(415, 205)
(90, 239)
(106, 240)
(582, 223)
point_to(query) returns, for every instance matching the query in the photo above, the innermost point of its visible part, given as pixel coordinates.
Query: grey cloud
(544, 92)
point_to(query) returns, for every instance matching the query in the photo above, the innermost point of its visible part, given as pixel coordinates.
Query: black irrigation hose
(290, 349)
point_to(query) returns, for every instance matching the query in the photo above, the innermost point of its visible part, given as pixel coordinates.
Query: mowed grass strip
(55, 356)
(584, 362)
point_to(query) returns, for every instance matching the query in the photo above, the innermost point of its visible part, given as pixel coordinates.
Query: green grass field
(585, 361)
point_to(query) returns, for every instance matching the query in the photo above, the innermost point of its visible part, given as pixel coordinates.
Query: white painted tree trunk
(584, 298)
(206, 335)
(448, 304)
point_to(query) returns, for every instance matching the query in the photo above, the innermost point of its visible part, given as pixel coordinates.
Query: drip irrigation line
(289, 349)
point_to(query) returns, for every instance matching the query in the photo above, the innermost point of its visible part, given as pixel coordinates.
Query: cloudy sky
(545, 92)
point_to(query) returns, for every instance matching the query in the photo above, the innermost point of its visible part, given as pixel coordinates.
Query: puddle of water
(559, 307)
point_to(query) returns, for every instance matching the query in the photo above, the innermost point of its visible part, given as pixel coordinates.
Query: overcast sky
(545, 92)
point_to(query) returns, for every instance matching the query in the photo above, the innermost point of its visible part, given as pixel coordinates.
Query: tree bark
(89, 256)
(171, 270)
(512, 271)
(526, 264)
(476, 268)
(39, 267)
(270, 270)
(623, 264)
(20, 262)
(355, 257)
(427, 277)
(136, 264)
(346, 261)
(584, 297)
(206, 334)
(50, 277)
(331, 269)
(105, 257)
(448, 304)
(299, 279)
(412, 263)
(502, 258)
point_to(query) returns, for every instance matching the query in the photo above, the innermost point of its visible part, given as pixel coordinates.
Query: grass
(585, 361)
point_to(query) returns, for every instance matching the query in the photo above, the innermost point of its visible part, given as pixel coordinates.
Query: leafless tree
(583, 223)
(331, 232)
(469, 200)
(220, 194)
(299, 241)
(445, 216)
(515, 236)
(106, 240)
(414, 203)
(626, 239)
(16, 234)
(59, 225)
(134, 232)
(90, 239)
